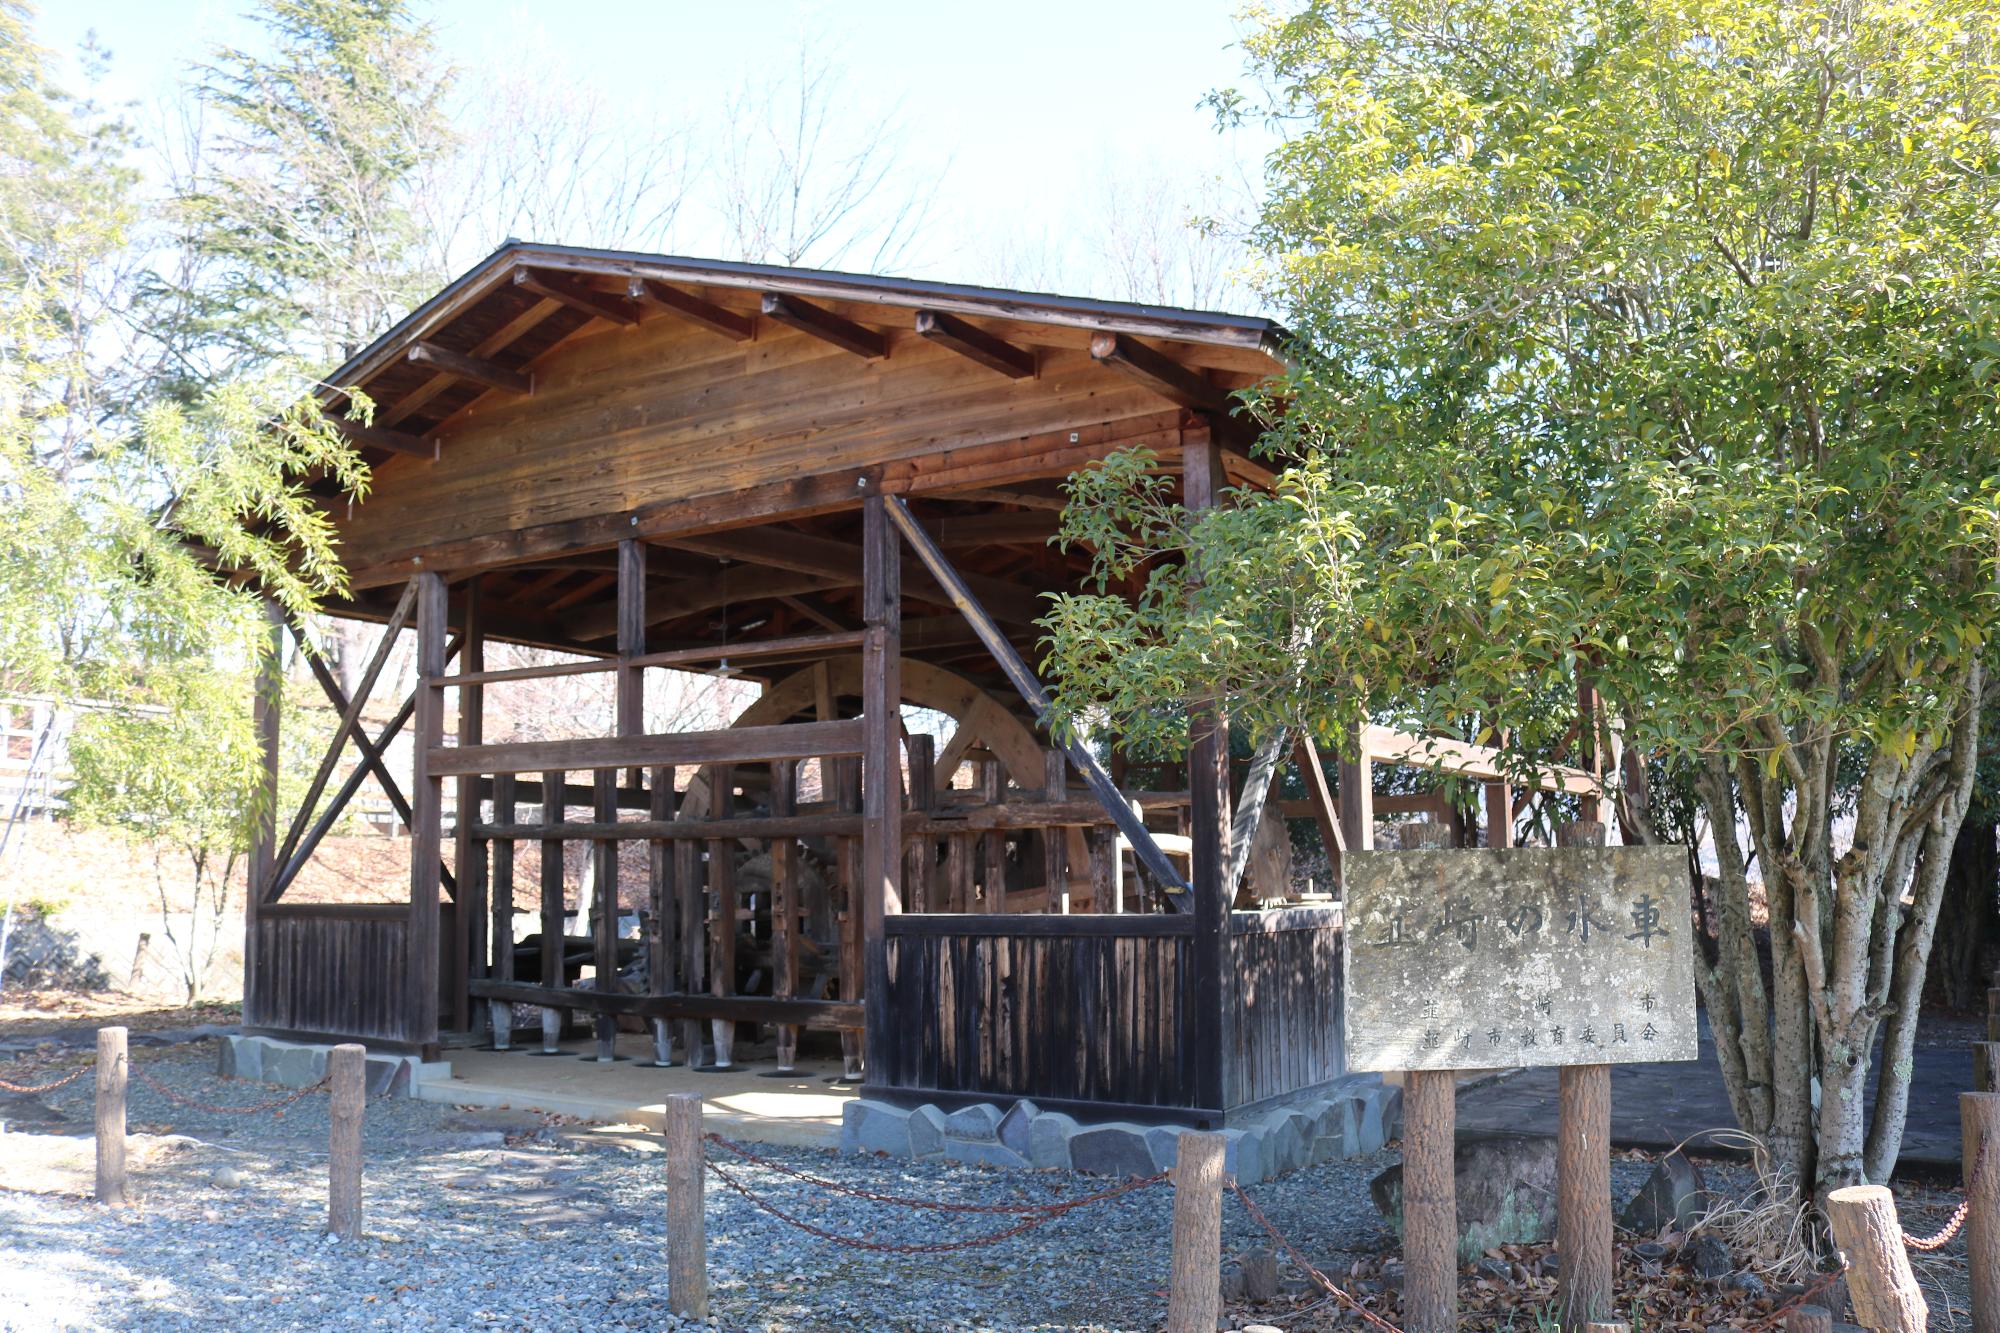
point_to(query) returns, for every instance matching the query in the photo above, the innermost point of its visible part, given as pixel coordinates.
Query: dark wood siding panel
(342, 973)
(1095, 1017)
(1285, 1028)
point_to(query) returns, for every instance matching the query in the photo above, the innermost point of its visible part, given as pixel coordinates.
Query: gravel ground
(558, 1227)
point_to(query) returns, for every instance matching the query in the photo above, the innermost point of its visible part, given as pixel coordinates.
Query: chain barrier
(1042, 1215)
(1332, 1288)
(37, 1089)
(255, 1108)
(1000, 1209)
(1943, 1238)
(1805, 1297)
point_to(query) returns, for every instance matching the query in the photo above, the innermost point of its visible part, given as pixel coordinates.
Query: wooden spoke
(694, 309)
(824, 324)
(476, 369)
(976, 344)
(1158, 372)
(575, 294)
(378, 437)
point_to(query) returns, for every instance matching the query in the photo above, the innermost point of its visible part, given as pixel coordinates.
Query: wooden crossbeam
(791, 740)
(477, 369)
(1158, 372)
(714, 318)
(575, 294)
(823, 324)
(498, 341)
(1032, 528)
(975, 344)
(381, 437)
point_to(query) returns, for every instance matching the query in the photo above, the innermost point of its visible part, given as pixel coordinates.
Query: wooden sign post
(1579, 957)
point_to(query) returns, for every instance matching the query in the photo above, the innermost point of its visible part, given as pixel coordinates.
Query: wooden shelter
(844, 487)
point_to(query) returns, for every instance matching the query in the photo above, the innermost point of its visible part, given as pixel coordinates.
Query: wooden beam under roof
(823, 324)
(474, 368)
(975, 344)
(1159, 372)
(575, 294)
(379, 437)
(498, 341)
(714, 318)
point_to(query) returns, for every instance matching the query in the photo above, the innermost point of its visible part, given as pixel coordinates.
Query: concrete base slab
(800, 1110)
(298, 1064)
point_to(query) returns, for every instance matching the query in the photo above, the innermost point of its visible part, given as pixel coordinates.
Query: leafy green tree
(1649, 344)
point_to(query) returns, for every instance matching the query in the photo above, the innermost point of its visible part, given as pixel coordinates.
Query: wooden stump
(1583, 1193)
(687, 1222)
(112, 1072)
(1194, 1291)
(347, 1070)
(1979, 1124)
(1879, 1281)
(1430, 1201)
(1809, 1319)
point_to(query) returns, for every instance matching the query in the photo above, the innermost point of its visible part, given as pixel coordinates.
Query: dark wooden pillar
(467, 955)
(604, 908)
(265, 708)
(1357, 797)
(1208, 811)
(881, 773)
(426, 814)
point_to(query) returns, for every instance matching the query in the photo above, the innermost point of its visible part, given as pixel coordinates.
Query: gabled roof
(524, 298)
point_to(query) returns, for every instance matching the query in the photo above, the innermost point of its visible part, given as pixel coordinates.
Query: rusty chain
(1049, 1214)
(1826, 1280)
(1000, 1209)
(1943, 1238)
(63, 1082)
(1332, 1288)
(255, 1108)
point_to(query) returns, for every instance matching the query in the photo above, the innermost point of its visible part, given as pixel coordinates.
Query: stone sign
(1488, 959)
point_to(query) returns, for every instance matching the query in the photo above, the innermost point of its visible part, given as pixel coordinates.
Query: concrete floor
(748, 1102)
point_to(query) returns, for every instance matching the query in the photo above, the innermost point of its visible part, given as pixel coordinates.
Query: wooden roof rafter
(575, 293)
(696, 310)
(502, 338)
(381, 437)
(827, 326)
(474, 368)
(976, 344)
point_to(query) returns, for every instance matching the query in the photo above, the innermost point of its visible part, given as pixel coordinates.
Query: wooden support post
(1583, 1164)
(552, 907)
(1583, 1192)
(1055, 857)
(1809, 1319)
(785, 907)
(468, 920)
(265, 711)
(1202, 481)
(1588, 720)
(1107, 889)
(1194, 1291)
(687, 1222)
(1430, 1201)
(426, 813)
(853, 953)
(690, 886)
(1979, 1148)
(881, 886)
(722, 903)
(1879, 1281)
(347, 1098)
(1993, 1014)
(112, 1072)
(604, 909)
(1357, 798)
(1499, 814)
(500, 1013)
(663, 955)
(958, 870)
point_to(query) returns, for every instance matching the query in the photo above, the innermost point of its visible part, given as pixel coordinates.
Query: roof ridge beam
(694, 309)
(575, 294)
(976, 344)
(823, 324)
(477, 369)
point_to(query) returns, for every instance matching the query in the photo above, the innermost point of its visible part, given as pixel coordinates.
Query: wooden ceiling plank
(822, 323)
(694, 309)
(477, 369)
(976, 344)
(575, 294)
(380, 437)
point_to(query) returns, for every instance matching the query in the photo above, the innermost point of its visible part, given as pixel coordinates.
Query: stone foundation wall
(1353, 1118)
(295, 1064)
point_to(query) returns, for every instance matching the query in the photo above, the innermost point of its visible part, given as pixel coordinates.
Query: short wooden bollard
(1583, 1193)
(1979, 1123)
(1194, 1291)
(1430, 1201)
(1599, 1326)
(687, 1220)
(347, 1098)
(112, 1072)
(1986, 1066)
(1809, 1319)
(1879, 1281)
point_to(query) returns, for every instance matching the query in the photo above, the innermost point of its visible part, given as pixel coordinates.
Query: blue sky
(1022, 110)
